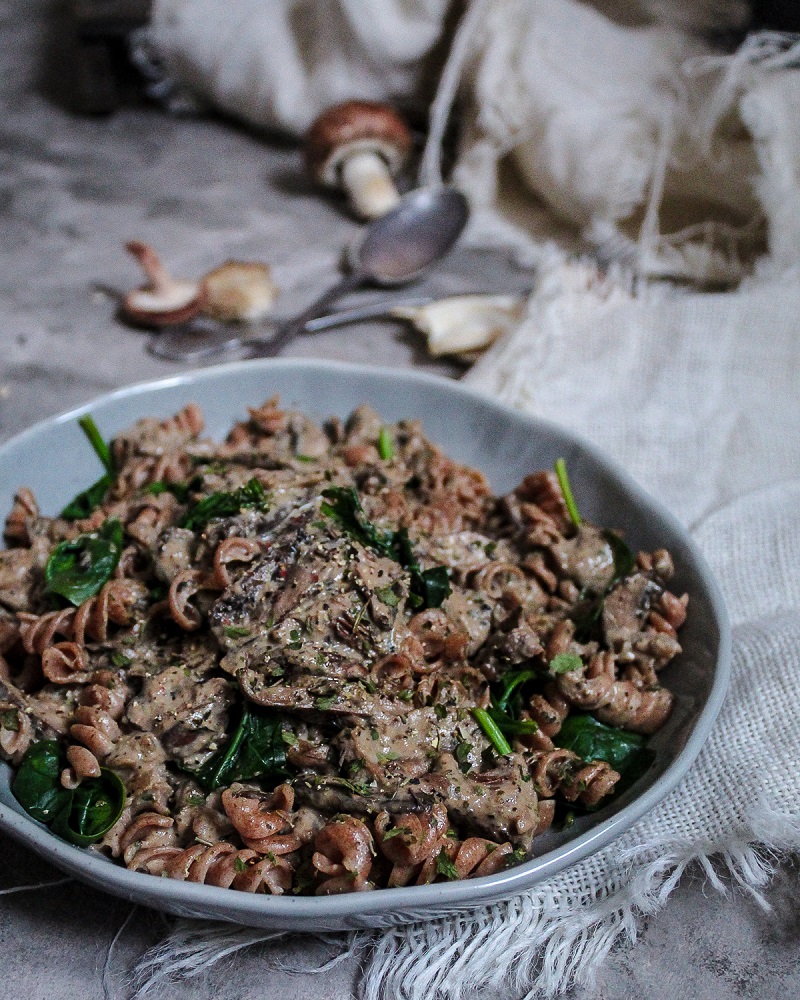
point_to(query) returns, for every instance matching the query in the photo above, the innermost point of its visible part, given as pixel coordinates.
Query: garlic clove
(463, 324)
(239, 291)
(165, 300)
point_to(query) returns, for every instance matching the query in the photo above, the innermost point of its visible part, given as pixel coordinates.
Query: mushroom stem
(369, 185)
(161, 280)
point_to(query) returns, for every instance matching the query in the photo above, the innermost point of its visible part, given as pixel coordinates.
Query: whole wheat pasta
(325, 659)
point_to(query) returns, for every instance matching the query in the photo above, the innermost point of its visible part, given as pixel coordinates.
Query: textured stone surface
(71, 192)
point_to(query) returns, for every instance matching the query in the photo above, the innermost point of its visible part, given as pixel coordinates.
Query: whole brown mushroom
(360, 146)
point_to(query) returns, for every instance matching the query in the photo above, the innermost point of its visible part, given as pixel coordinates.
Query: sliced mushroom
(239, 291)
(165, 300)
(360, 146)
(463, 325)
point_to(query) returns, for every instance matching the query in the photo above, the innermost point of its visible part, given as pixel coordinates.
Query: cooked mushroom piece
(239, 291)
(165, 300)
(360, 146)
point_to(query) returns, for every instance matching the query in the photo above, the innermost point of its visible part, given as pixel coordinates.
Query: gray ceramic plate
(54, 460)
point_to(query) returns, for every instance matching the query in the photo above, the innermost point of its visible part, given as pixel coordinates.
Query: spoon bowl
(418, 232)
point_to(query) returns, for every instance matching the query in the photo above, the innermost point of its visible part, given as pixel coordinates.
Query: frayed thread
(32, 888)
(192, 949)
(536, 945)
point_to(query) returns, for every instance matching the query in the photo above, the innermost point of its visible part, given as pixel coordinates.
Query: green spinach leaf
(81, 815)
(90, 499)
(217, 505)
(256, 749)
(506, 694)
(509, 726)
(591, 740)
(179, 490)
(78, 569)
(507, 703)
(37, 786)
(432, 586)
(624, 558)
(95, 806)
(429, 588)
(345, 507)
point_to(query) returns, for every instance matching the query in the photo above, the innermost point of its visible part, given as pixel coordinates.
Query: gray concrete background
(71, 192)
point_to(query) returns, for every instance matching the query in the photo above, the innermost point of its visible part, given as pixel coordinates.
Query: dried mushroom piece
(463, 325)
(166, 300)
(239, 291)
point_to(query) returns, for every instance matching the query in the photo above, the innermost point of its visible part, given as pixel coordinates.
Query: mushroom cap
(239, 290)
(355, 126)
(165, 300)
(146, 307)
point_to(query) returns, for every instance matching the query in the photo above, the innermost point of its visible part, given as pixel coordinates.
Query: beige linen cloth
(696, 394)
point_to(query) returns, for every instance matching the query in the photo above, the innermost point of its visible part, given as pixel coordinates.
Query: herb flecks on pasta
(322, 660)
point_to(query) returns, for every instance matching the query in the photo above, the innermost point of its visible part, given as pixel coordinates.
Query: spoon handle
(292, 327)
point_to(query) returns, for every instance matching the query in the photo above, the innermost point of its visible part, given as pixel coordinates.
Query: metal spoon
(396, 249)
(203, 338)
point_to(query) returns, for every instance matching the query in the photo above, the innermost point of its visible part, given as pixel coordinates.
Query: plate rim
(408, 902)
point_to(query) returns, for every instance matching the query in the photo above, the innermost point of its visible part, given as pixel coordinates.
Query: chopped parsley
(398, 831)
(463, 750)
(565, 663)
(388, 596)
(444, 866)
(9, 719)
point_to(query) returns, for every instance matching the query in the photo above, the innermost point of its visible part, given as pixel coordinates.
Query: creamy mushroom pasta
(321, 660)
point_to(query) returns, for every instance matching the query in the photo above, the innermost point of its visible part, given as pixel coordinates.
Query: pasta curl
(16, 732)
(116, 603)
(409, 841)
(95, 729)
(263, 822)
(343, 857)
(23, 510)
